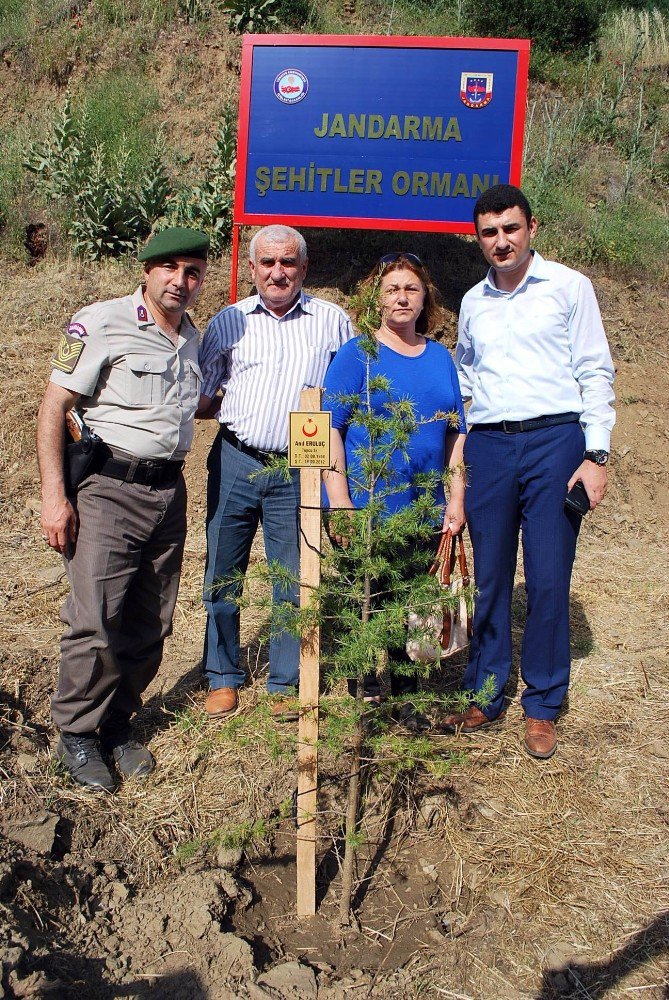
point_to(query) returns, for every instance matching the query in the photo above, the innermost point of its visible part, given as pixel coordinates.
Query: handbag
(84, 450)
(447, 628)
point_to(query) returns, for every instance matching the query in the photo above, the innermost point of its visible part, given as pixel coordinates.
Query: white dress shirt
(263, 361)
(537, 350)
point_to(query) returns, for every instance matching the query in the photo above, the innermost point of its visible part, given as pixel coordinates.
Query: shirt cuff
(597, 439)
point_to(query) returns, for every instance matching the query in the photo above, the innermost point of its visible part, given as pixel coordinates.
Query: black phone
(577, 499)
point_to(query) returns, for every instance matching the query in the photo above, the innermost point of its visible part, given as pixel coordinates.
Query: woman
(417, 369)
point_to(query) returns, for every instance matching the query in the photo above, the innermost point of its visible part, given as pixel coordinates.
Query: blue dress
(429, 381)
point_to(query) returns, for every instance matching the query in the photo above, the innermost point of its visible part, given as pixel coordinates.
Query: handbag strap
(439, 559)
(450, 547)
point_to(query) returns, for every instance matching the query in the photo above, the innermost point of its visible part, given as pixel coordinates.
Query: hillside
(505, 877)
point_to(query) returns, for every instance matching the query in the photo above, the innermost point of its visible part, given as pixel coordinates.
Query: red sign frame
(251, 42)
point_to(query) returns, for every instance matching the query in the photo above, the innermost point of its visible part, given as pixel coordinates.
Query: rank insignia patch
(142, 315)
(67, 354)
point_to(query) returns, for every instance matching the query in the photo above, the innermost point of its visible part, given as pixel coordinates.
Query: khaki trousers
(124, 577)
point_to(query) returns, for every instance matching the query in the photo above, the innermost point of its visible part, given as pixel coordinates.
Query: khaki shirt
(139, 392)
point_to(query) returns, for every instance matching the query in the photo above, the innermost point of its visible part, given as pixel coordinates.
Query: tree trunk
(352, 806)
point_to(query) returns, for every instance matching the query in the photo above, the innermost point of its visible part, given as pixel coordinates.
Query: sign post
(309, 450)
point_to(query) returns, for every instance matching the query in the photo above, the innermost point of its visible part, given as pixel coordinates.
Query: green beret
(176, 242)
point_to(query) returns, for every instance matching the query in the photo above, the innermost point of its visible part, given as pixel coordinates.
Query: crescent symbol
(307, 433)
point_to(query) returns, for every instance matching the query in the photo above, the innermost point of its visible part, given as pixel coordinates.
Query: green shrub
(562, 25)
(251, 15)
(295, 14)
(109, 203)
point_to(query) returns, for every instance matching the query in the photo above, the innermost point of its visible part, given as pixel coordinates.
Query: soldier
(129, 366)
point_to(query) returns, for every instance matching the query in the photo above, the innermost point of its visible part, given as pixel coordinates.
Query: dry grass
(625, 30)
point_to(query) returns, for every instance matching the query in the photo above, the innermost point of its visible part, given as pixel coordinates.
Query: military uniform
(139, 393)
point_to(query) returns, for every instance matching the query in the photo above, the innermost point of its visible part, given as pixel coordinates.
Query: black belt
(534, 424)
(147, 471)
(260, 456)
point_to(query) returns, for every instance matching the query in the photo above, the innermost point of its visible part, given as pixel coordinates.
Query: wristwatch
(597, 455)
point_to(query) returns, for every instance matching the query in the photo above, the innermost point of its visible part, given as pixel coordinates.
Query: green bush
(252, 15)
(562, 25)
(109, 199)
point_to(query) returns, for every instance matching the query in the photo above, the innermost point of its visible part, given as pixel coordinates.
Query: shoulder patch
(77, 330)
(67, 353)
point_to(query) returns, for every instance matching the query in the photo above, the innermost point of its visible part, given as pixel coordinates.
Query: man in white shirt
(261, 351)
(533, 357)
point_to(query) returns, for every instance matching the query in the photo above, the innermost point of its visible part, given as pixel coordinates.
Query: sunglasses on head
(390, 258)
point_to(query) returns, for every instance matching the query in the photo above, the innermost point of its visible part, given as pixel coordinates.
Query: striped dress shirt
(262, 362)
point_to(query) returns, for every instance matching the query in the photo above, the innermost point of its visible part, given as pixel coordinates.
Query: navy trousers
(519, 482)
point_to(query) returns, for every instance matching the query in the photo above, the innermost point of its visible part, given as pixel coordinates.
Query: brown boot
(222, 702)
(540, 738)
(470, 721)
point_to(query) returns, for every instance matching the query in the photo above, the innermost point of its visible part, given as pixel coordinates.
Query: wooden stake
(307, 753)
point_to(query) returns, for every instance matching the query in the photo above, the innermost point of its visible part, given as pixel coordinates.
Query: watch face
(597, 455)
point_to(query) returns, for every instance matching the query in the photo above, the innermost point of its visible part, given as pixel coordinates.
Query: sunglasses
(390, 258)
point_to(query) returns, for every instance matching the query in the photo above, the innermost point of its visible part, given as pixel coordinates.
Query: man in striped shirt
(261, 352)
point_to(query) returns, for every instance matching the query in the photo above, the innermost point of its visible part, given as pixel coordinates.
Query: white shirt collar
(537, 271)
(255, 302)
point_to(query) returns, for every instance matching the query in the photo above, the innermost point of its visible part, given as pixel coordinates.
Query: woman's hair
(431, 312)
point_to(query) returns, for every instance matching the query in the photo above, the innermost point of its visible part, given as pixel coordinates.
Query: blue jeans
(519, 481)
(236, 505)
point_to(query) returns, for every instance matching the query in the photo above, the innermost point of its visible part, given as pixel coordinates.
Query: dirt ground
(508, 878)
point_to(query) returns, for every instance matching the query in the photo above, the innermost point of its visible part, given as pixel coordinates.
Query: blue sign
(377, 132)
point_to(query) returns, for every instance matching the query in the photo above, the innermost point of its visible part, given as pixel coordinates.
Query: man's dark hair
(500, 197)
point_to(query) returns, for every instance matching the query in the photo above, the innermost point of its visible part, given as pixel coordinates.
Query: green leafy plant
(251, 15)
(109, 211)
(61, 166)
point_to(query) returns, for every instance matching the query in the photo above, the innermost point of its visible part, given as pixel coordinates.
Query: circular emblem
(290, 86)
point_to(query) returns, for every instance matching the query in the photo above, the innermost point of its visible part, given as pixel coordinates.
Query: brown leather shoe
(470, 721)
(285, 710)
(540, 738)
(222, 702)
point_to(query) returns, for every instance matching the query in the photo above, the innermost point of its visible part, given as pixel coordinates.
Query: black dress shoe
(81, 756)
(413, 720)
(133, 759)
(130, 756)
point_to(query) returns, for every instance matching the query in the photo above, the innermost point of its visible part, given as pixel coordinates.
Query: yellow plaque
(309, 440)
